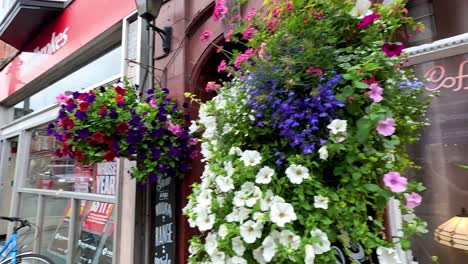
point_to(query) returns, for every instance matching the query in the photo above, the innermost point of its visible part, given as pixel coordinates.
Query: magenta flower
(386, 127)
(227, 36)
(392, 49)
(174, 129)
(413, 200)
(62, 98)
(367, 20)
(248, 33)
(243, 57)
(314, 70)
(222, 66)
(220, 10)
(395, 182)
(212, 86)
(375, 92)
(153, 103)
(250, 14)
(205, 36)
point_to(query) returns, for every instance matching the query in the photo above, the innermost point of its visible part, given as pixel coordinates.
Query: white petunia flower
(388, 2)
(256, 195)
(321, 202)
(282, 213)
(223, 231)
(309, 254)
(297, 173)
(205, 221)
(251, 231)
(235, 151)
(228, 168)
(204, 198)
(269, 248)
(289, 239)
(251, 158)
(238, 214)
(338, 125)
(224, 184)
(211, 243)
(238, 245)
(323, 152)
(236, 260)
(193, 127)
(258, 255)
(265, 203)
(207, 154)
(264, 175)
(387, 256)
(218, 257)
(220, 200)
(227, 128)
(361, 8)
(324, 244)
(193, 249)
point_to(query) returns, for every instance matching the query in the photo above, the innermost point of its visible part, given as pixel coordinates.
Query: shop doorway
(7, 165)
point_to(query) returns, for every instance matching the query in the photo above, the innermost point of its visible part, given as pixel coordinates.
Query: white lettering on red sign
(436, 75)
(57, 41)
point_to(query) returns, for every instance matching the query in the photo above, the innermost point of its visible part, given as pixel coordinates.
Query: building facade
(95, 214)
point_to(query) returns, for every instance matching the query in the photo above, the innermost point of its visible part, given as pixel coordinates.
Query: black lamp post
(149, 11)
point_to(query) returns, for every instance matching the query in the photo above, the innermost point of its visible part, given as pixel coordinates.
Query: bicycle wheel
(30, 258)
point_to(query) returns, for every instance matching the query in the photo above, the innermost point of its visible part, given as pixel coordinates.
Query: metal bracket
(166, 37)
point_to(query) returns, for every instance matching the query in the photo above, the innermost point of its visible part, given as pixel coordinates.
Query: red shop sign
(80, 22)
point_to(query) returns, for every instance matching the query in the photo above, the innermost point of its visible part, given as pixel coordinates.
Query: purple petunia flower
(113, 113)
(83, 133)
(80, 115)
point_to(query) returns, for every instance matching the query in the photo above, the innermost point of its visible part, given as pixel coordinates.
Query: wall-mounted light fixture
(149, 11)
(454, 232)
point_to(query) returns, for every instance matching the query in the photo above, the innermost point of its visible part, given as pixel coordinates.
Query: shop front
(75, 208)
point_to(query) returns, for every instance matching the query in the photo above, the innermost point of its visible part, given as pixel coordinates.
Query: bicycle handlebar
(23, 222)
(11, 219)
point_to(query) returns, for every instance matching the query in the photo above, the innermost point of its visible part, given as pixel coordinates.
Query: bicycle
(10, 247)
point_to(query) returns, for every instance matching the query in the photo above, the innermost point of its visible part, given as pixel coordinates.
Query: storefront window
(54, 232)
(103, 68)
(28, 211)
(442, 155)
(47, 171)
(95, 244)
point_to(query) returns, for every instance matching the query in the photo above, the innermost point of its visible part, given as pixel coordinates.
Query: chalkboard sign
(165, 240)
(357, 254)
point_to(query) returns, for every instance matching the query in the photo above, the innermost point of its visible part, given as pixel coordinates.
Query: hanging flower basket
(115, 121)
(306, 145)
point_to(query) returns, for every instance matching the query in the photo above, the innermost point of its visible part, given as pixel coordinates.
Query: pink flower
(212, 86)
(193, 141)
(367, 20)
(153, 103)
(219, 49)
(386, 127)
(395, 182)
(289, 5)
(227, 36)
(220, 10)
(250, 14)
(61, 98)
(248, 33)
(175, 129)
(222, 66)
(413, 200)
(392, 49)
(375, 92)
(314, 70)
(205, 36)
(242, 57)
